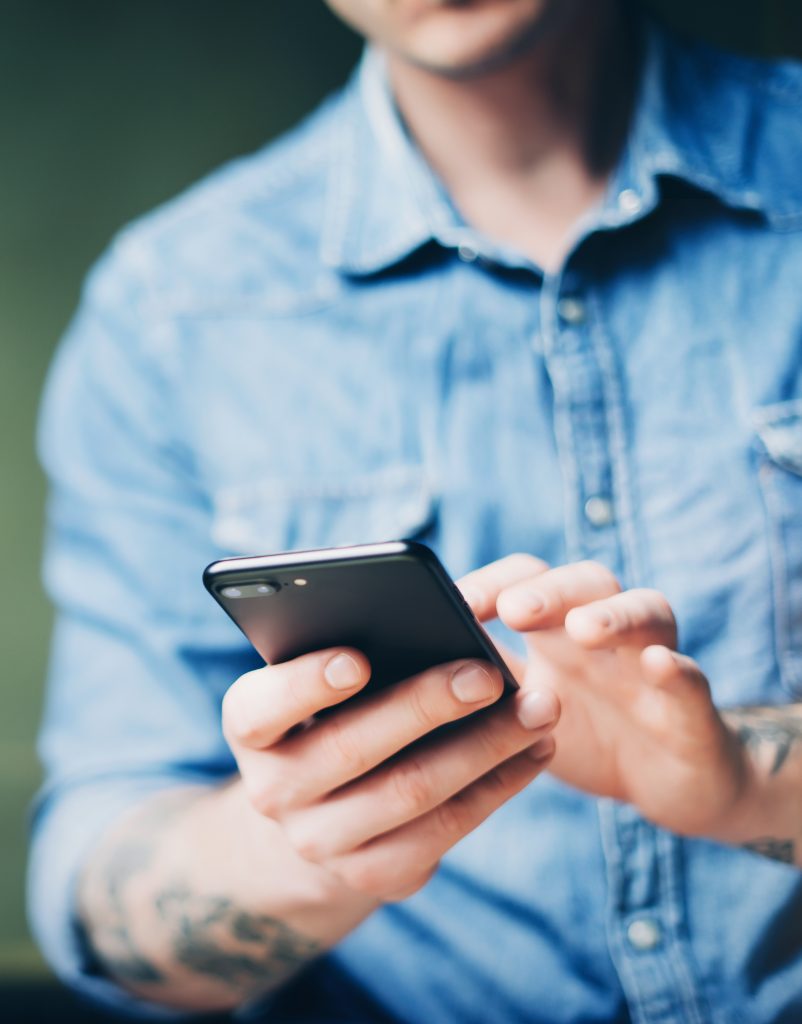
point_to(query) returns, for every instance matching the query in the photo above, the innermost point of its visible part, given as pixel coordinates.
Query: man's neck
(520, 148)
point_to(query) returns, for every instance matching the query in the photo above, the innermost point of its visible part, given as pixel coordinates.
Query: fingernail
(342, 672)
(472, 683)
(536, 709)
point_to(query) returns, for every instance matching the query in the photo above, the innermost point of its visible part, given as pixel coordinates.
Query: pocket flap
(280, 514)
(779, 428)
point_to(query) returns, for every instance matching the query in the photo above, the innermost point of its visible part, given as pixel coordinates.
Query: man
(528, 284)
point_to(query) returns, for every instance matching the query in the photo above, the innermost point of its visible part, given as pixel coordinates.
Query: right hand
(350, 792)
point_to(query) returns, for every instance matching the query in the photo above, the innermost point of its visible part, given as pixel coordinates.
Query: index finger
(544, 602)
(263, 705)
(482, 587)
(635, 618)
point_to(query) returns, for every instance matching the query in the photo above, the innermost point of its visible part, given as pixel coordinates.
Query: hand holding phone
(374, 793)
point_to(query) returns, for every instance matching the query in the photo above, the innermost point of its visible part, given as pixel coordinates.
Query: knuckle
(270, 795)
(412, 788)
(453, 818)
(310, 844)
(263, 796)
(495, 782)
(494, 741)
(362, 874)
(298, 688)
(241, 733)
(339, 744)
(238, 726)
(621, 620)
(423, 708)
(409, 888)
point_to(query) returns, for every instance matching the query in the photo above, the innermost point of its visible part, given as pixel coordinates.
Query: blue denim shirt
(312, 348)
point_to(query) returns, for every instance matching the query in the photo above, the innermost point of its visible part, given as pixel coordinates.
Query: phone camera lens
(243, 590)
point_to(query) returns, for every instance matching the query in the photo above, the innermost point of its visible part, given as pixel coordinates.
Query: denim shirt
(312, 348)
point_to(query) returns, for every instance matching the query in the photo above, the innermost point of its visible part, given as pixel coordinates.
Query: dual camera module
(264, 588)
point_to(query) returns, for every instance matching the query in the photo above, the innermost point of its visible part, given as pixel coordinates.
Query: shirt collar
(718, 122)
(700, 116)
(384, 202)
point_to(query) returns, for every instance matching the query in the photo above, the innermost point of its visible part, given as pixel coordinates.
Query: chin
(462, 38)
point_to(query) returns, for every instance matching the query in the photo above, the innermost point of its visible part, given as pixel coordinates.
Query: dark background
(108, 107)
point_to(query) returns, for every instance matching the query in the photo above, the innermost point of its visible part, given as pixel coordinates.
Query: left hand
(638, 722)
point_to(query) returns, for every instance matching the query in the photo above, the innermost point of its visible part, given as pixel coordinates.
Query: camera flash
(300, 582)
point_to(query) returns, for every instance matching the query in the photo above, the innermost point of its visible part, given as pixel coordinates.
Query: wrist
(754, 808)
(267, 873)
(768, 810)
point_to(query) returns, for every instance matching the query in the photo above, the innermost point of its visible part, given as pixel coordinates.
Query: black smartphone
(394, 602)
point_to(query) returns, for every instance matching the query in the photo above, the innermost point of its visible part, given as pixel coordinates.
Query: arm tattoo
(120, 956)
(245, 951)
(111, 940)
(771, 733)
(773, 736)
(208, 935)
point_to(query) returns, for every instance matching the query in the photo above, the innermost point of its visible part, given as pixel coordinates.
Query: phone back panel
(394, 602)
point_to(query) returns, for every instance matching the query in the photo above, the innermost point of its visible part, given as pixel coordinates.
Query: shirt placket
(645, 907)
(582, 424)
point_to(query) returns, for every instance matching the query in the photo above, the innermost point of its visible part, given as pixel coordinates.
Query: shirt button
(644, 934)
(629, 201)
(599, 511)
(467, 253)
(572, 310)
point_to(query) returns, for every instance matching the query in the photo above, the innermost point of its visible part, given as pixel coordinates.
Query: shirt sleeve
(141, 656)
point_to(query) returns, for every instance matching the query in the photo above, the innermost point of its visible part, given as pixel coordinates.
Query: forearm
(769, 818)
(197, 902)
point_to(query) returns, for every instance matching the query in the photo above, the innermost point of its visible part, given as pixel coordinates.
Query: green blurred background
(108, 107)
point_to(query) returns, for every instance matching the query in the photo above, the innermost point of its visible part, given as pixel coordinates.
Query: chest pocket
(269, 515)
(779, 429)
